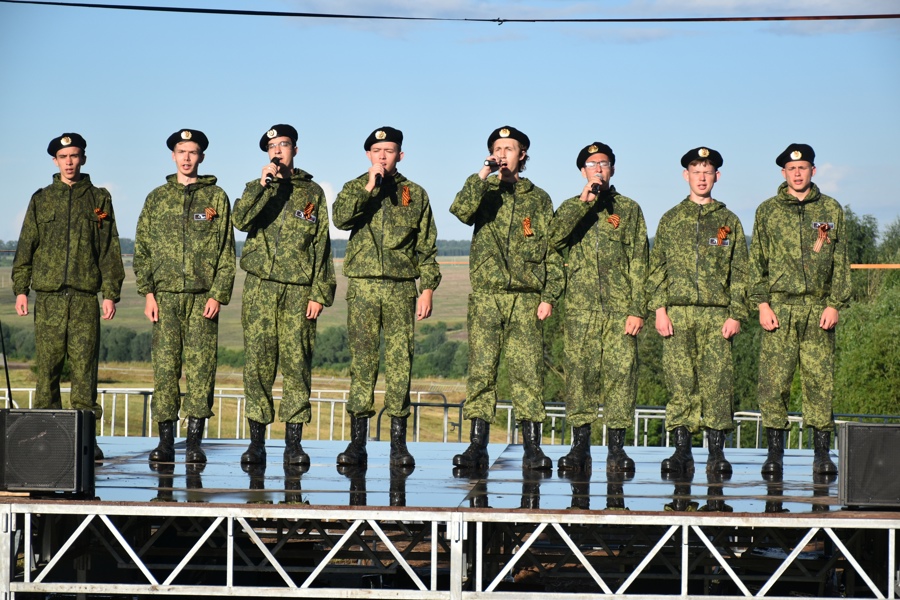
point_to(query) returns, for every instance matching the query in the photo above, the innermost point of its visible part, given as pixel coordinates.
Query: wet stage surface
(127, 476)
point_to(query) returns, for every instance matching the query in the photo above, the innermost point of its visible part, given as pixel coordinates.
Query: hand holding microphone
(271, 174)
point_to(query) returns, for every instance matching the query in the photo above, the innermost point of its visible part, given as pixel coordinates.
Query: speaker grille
(42, 449)
(869, 469)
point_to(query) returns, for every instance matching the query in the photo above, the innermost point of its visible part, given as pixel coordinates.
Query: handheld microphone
(596, 189)
(275, 161)
(491, 163)
(378, 179)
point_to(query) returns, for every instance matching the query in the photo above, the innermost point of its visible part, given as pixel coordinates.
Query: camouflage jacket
(510, 245)
(69, 239)
(184, 241)
(696, 261)
(784, 264)
(607, 253)
(287, 234)
(390, 237)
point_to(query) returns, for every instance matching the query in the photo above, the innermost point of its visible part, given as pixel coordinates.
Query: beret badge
(593, 149)
(380, 134)
(703, 152)
(504, 132)
(271, 134)
(65, 141)
(185, 135)
(796, 155)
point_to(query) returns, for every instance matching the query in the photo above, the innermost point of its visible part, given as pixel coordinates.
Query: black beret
(702, 153)
(590, 150)
(64, 141)
(188, 135)
(384, 134)
(796, 152)
(508, 132)
(275, 131)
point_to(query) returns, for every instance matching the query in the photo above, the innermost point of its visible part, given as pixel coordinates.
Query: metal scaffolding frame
(295, 550)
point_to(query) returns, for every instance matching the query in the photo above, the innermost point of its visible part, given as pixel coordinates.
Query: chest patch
(714, 241)
(818, 224)
(303, 215)
(201, 217)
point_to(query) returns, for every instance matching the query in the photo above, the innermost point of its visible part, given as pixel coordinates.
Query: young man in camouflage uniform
(697, 286)
(68, 251)
(800, 278)
(184, 263)
(606, 238)
(516, 280)
(290, 278)
(392, 243)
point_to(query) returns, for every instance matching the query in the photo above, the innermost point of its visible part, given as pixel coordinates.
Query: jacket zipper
(68, 238)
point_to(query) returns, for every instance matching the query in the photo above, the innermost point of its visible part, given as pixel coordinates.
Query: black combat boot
(256, 451)
(716, 462)
(293, 447)
(165, 451)
(579, 457)
(681, 463)
(616, 459)
(822, 463)
(476, 455)
(193, 453)
(355, 455)
(774, 464)
(534, 457)
(400, 456)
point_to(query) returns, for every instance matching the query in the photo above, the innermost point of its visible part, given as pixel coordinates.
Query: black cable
(5, 368)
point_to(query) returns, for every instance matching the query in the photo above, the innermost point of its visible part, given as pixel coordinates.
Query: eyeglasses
(600, 163)
(284, 144)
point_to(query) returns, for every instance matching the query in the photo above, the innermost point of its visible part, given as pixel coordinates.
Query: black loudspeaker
(869, 472)
(47, 451)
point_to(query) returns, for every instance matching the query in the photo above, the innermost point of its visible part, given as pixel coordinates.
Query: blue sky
(126, 80)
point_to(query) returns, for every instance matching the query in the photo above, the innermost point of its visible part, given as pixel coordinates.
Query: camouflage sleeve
(740, 265)
(349, 206)
(426, 249)
(28, 242)
(250, 204)
(839, 297)
(657, 287)
(223, 283)
(556, 271)
(112, 271)
(638, 265)
(758, 291)
(142, 262)
(567, 217)
(467, 202)
(323, 283)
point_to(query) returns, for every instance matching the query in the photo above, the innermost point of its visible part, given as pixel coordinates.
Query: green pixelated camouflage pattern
(277, 334)
(67, 326)
(798, 340)
(282, 243)
(698, 369)
(373, 305)
(606, 265)
(601, 368)
(784, 267)
(177, 248)
(688, 267)
(183, 328)
(388, 240)
(502, 258)
(65, 244)
(505, 322)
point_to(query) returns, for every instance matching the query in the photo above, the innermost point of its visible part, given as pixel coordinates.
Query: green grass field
(449, 303)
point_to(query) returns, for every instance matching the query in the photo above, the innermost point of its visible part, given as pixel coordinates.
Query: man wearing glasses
(697, 286)
(184, 263)
(606, 238)
(290, 278)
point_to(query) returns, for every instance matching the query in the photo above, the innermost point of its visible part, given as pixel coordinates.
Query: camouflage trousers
(183, 338)
(601, 368)
(698, 369)
(277, 333)
(505, 323)
(798, 339)
(67, 326)
(373, 305)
